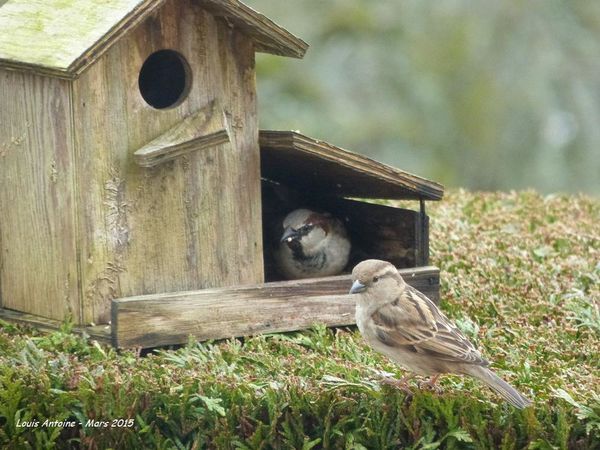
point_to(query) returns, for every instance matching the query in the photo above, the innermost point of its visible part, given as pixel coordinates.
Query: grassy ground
(520, 275)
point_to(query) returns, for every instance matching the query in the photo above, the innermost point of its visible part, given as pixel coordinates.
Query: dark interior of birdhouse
(376, 231)
(302, 172)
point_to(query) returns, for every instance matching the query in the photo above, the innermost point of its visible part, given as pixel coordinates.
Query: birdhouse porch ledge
(204, 129)
(220, 313)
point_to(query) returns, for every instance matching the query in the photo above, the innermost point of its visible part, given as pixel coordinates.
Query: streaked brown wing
(405, 321)
(412, 320)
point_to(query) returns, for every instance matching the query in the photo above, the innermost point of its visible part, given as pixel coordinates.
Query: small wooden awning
(314, 166)
(61, 38)
(205, 128)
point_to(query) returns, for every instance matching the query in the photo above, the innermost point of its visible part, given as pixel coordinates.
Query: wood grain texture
(101, 333)
(322, 167)
(422, 236)
(62, 38)
(190, 223)
(38, 262)
(203, 129)
(378, 231)
(164, 319)
(267, 35)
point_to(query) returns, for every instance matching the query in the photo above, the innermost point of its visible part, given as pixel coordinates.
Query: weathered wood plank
(62, 38)
(186, 223)
(319, 166)
(378, 231)
(101, 333)
(38, 262)
(201, 130)
(268, 36)
(422, 236)
(163, 319)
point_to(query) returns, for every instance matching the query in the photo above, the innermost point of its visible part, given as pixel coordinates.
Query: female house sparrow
(312, 245)
(400, 322)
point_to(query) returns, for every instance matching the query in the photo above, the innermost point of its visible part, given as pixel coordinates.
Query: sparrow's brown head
(311, 244)
(306, 226)
(372, 272)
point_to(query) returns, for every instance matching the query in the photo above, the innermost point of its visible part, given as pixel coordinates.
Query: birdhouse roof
(62, 37)
(315, 166)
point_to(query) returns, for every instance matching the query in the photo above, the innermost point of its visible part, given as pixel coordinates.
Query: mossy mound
(520, 276)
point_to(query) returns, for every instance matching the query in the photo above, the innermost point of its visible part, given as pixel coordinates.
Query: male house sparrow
(403, 324)
(312, 245)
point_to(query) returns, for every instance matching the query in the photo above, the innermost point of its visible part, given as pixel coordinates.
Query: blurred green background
(483, 95)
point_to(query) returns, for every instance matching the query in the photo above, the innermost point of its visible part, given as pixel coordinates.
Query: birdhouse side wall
(190, 223)
(38, 263)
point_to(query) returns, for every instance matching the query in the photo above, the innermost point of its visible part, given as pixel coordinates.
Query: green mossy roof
(62, 37)
(55, 33)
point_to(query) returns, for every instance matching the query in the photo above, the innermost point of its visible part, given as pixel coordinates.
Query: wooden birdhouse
(131, 171)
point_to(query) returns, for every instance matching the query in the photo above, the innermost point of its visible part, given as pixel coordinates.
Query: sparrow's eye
(375, 279)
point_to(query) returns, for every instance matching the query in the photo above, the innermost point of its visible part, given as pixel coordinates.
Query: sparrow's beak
(289, 234)
(357, 287)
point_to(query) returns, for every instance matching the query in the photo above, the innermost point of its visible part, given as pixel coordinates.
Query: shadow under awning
(311, 165)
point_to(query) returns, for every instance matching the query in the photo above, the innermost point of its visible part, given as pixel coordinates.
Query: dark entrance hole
(165, 79)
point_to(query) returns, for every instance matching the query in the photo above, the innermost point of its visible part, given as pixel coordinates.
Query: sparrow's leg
(401, 384)
(431, 384)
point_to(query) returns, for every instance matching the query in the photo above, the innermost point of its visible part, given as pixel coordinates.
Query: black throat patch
(316, 261)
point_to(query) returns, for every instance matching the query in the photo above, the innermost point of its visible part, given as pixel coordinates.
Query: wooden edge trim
(269, 37)
(83, 61)
(202, 129)
(63, 73)
(220, 313)
(131, 19)
(428, 189)
(160, 155)
(101, 333)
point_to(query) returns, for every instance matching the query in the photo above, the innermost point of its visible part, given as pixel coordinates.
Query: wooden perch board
(164, 319)
(100, 333)
(322, 167)
(204, 129)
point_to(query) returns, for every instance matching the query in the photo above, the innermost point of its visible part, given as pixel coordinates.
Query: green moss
(54, 33)
(534, 316)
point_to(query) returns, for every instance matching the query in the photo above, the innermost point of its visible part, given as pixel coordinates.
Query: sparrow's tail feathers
(509, 393)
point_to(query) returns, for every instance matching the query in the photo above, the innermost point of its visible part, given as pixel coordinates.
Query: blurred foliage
(485, 95)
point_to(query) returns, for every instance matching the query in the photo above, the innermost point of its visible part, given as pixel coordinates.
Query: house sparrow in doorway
(312, 245)
(403, 324)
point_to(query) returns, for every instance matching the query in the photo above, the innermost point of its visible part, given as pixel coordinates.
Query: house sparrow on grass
(403, 324)
(312, 245)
